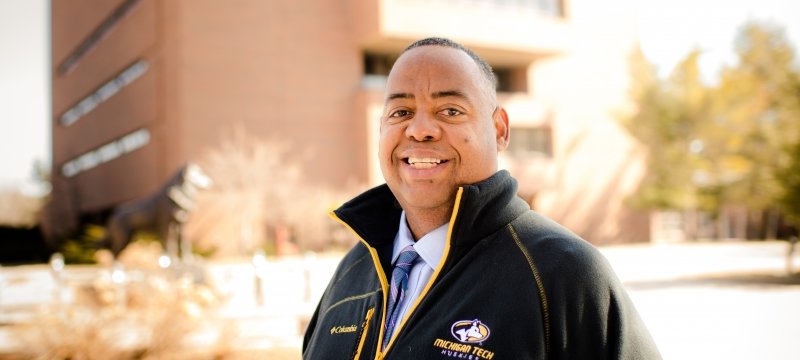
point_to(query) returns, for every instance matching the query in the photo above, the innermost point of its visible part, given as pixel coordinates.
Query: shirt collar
(430, 247)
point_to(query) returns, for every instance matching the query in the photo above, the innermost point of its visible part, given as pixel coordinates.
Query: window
(550, 7)
(511, 79)
(105, 153)
(104, 92)
(378, 64)
(531, 141)
(376, 70)
(553, 8)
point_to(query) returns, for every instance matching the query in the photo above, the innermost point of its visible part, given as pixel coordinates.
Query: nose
(423, 128)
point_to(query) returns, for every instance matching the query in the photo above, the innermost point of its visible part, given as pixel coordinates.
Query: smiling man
(450, 263)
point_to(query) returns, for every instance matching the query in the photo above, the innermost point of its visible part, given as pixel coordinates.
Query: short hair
(485, 68)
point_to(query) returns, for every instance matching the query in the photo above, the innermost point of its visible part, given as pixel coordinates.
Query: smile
(423, 163)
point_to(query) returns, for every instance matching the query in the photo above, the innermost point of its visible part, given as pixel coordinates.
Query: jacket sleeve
(592, 316)
(310, 329)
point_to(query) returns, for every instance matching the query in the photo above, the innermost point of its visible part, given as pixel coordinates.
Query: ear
(502, 131)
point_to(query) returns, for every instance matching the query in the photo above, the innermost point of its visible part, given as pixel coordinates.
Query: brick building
(140, 87)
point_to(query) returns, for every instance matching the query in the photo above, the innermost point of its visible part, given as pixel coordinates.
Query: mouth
(423, 163)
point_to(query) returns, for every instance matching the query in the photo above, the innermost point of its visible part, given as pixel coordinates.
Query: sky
(24, 90)
(668, 30)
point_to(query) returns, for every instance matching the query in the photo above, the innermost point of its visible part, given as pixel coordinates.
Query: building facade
(141, 87)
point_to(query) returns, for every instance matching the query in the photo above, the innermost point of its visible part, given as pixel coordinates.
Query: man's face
(440, 127)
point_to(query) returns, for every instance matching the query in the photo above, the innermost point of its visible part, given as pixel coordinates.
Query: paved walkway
(728, 300)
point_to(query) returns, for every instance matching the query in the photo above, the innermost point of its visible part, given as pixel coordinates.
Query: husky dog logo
(470, 331)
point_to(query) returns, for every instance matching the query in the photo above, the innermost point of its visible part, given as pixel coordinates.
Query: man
(451, 263)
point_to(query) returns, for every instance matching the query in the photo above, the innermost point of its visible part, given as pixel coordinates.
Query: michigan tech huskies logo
(470, 331)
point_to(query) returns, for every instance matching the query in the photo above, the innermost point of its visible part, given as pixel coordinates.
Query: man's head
(485, 68)
(441, 127)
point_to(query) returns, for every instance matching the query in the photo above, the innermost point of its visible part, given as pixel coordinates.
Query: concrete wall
(596, 164)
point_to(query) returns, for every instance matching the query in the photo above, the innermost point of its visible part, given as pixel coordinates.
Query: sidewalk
(727, 300)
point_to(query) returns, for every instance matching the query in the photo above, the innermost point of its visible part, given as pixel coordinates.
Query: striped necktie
(397, 291)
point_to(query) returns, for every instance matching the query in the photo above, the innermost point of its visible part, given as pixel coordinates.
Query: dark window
(531, 141)
(511, 79)
(378, 64)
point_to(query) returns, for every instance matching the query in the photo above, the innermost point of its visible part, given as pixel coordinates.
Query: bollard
(56, 270)
(164, 261)
(118, 278)
(259, 274)
(308, 261)
(790, 256)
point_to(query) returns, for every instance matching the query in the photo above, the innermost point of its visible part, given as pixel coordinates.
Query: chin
(427, 200)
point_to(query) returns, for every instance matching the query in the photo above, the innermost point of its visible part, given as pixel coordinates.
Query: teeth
(423, 163)
(413, 160)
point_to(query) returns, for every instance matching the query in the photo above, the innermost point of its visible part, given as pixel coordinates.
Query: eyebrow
(436, 95)
(395, 96)
(450, 93)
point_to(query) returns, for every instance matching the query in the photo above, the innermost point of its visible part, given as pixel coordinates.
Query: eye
(400, 113)
(451, 112)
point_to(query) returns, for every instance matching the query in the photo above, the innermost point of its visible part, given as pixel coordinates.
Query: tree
(789, 179)
(758, 111)
(666, 120)
(731, 145)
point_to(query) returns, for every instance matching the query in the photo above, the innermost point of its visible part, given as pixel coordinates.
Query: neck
(421, 222)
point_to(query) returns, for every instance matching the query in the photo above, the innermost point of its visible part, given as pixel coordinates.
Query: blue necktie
(397, 290)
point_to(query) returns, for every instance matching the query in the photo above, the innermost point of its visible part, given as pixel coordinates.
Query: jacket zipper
(362, 335)
(381, 277)
(385, 284)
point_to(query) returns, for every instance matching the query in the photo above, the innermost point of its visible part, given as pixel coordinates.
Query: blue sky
(667, 29)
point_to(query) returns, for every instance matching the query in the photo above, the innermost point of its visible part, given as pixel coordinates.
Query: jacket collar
(484, 208)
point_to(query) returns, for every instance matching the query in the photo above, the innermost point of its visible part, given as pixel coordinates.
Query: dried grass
(141, 319)
(259, 187)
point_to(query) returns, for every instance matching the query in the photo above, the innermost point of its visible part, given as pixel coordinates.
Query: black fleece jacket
(512, 285)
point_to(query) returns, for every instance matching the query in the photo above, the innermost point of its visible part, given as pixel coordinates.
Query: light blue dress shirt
(430, 249)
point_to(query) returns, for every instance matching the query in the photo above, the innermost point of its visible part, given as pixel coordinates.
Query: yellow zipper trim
(385, 284)
(364, 330)
(436, 272)
(381, 276)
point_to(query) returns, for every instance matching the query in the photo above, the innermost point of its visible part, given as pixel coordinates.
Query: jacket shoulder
(588, 309)
(352, 264)
(554, 248)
